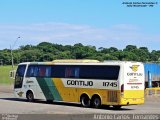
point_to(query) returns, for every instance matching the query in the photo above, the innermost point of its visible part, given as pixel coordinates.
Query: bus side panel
(31, 83)
(72, 94)
(42, 88)
(49, 89)
(67, 93)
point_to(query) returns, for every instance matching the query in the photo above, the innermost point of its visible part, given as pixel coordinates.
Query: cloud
(62, 33)
(125, 27)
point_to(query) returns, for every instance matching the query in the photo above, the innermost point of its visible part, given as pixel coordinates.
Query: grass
(4, 75)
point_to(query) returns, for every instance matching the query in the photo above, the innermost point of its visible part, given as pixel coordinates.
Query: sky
(100, 23)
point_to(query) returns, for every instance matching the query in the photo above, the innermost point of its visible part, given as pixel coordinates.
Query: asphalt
(20, 109)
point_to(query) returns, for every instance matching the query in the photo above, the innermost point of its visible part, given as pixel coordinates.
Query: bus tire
(30, 96)
(96, 102)
(117, 107)
(85, 101)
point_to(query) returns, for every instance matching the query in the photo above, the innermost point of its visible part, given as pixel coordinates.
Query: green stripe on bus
(49, 89)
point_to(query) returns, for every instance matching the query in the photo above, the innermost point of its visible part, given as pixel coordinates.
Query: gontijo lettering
(134, 74)
(79, 83)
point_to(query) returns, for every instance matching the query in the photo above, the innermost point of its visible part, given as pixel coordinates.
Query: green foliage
(47, 52)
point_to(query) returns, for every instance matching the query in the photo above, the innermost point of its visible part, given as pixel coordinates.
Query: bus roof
(80, 62)
(75, 61)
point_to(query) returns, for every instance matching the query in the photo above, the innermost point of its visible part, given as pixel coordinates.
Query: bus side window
(76, 72)
(36, 71)
(48, 71)
(39, 71)
(32, 71)
(42, 70)
(72, 72)
(58, 71)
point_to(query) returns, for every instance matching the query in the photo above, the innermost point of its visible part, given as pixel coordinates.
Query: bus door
(19, 77)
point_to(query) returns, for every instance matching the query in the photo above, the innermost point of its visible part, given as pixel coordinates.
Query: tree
(130, 48)
(143, 54)
(155, 56)
(46, 47)
(46, 51)
(30, 55)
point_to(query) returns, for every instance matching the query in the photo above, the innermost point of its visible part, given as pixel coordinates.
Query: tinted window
(72, 72)
(58, 71)
(19, 76)
(32, 71)
(99, 72)
(39, 71)
(86, 72)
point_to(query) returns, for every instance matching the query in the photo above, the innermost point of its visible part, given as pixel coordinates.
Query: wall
(154, 69)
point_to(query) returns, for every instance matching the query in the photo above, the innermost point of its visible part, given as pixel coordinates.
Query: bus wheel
(96, 102)
(30, 96)
(117, 106)
(85, 101)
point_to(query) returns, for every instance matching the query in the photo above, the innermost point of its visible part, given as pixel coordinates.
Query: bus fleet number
(112, 84)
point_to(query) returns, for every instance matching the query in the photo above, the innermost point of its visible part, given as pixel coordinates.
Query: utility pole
(1, 61)
(12, 57)
(11, 48)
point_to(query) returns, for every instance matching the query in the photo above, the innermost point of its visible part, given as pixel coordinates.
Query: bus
(89, 82)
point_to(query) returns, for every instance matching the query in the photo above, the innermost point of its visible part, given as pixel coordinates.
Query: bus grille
(112, 96)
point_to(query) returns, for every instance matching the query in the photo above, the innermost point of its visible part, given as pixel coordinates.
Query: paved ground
(6, 88)
(11, 105)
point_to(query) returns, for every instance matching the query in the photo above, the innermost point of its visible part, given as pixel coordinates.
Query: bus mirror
(12, 74)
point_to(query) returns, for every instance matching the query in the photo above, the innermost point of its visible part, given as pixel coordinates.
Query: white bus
(92, 83)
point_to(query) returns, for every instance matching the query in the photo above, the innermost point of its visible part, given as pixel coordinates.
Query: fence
(152, 91)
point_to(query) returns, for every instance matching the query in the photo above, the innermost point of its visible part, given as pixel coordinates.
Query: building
(152, 75)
